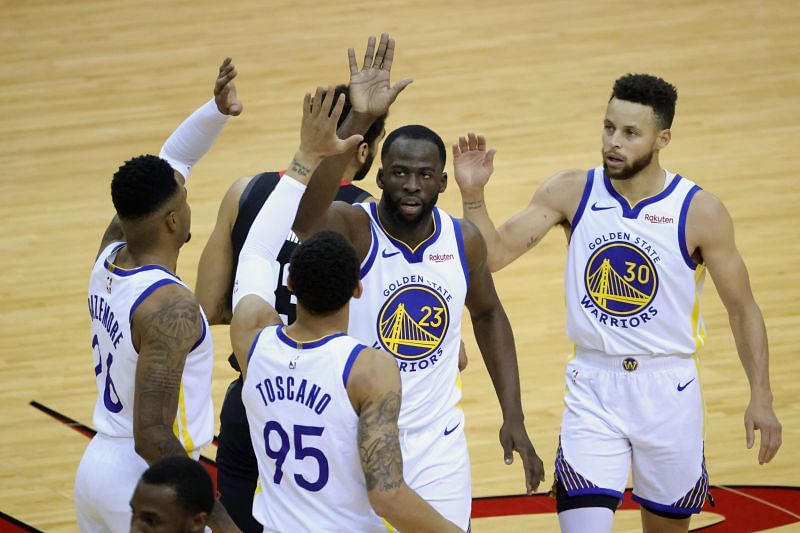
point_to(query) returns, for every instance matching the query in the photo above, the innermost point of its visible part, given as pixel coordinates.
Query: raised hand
(318, 129)
(225, 90)
(513, 437)
(370, 91)
(472, 162)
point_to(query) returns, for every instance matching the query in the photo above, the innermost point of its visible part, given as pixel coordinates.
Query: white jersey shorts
(107, 476)
(436, 465)
(639, 413)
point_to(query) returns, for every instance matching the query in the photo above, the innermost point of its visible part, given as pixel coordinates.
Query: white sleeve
(193, 138)
(256, 272)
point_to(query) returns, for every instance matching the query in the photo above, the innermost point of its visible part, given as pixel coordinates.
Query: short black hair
(324, 272)
(415, 131)
(193, 488)
(141, 186)
(374, 131)
(651, 91)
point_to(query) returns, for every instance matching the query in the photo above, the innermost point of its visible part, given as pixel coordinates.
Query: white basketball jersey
(304, 432)
(631, 284)
(411, 307)
(114, 295)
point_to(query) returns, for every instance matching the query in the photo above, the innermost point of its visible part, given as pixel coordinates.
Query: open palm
(472, 162)
(370, 89)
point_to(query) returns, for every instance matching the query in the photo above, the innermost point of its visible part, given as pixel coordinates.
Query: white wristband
(193, 138)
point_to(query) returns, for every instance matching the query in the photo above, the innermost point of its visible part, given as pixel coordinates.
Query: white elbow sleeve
(255, 275)
(193, 138)
(257, 272)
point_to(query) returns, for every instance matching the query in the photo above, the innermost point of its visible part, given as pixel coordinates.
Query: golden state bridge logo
(620, 279)
(413, 321)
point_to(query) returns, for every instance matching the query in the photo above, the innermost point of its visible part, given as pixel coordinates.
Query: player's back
(304, 431)
(114, 295)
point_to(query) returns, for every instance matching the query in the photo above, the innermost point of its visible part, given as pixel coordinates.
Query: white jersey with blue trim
(631, 285)
(304, 432)
(411, 307)
(114, 295)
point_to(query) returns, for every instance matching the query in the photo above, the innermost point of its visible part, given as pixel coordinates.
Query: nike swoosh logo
(595, 207)
(384, 254)
(448, 431)
(680, 388)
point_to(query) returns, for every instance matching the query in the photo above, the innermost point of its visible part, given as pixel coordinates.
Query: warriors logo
(413, 322)
(620, 279)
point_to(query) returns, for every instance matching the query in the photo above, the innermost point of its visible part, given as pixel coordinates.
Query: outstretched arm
(555, 202)
(374, 390)
(496, 343)
(251, 293)
(192, 139)
(710, 230)
(371, 95)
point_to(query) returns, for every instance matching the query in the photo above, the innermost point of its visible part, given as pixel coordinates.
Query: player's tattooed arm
(379, 444)
(375, 393)
(166, 325)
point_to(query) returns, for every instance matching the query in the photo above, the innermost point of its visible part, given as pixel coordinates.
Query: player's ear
(379, 178)
(197, 523)
(362, 153)
(289, 282)
(443, 184)
(171, 219)
(664, 136)
(359, 290)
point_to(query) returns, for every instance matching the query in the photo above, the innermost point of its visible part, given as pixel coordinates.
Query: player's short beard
(629, 171)
(393, 208)
(362, 171)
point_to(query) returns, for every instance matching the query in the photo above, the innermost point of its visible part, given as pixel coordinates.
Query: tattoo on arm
(301, 170)
(379, 444)
(169, 335)
(473, 205)
(532, 241)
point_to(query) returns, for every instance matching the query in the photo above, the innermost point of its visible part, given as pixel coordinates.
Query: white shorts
(643, 413)
(107, 476)
(436, 465)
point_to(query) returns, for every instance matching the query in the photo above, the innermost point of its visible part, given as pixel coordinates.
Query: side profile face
(156, 509)
(412, 178)
(630, 138)
(182, 222)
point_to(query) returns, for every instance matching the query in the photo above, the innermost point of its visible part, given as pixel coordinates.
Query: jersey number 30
(300, 453)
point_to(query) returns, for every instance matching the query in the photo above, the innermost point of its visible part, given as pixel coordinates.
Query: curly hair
(651, 91)
(193, 488)
(141, 186)
(415, 131)
(324, 272)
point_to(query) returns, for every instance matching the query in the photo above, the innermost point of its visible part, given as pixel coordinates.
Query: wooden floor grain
(88, 83)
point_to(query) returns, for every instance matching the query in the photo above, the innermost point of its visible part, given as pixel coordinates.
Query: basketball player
(237, 473)
(310, 391)
(419, 267)
(153, 355)
(640, 241)
(174, 495)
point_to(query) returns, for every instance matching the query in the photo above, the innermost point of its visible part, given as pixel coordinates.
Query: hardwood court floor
(87, 84)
